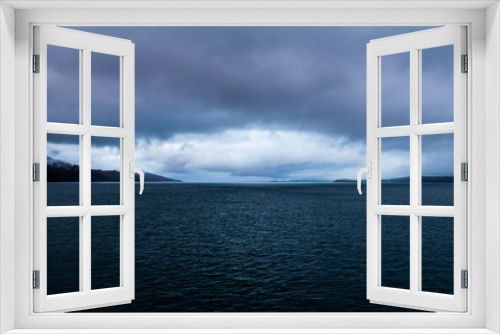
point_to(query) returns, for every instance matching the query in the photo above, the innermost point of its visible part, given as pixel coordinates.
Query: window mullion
(415, 238)
(80, 146)
(85, 172)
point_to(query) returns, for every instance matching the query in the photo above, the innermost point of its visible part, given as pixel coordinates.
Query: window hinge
(36, 279)
(465, 279)
(36, 172)
(36, 63)
(464, 167)
(465, 64)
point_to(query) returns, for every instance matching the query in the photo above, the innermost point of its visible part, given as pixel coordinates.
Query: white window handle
(368, 171)
(139, 171)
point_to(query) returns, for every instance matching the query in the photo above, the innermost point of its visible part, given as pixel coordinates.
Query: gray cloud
(203, 79)
(210, 80)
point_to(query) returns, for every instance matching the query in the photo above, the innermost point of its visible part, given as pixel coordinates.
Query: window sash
(87, 43)
(413, 43)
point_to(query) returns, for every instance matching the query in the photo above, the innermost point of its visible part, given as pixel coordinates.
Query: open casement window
(83, 210)
(380, 213)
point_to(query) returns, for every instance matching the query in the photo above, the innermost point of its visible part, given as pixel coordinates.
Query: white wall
(130, 17)
(492, 166)
(7, 161)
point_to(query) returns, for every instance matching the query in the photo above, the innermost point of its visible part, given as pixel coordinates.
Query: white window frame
(413, 44)
(482, 19)
(86, 44)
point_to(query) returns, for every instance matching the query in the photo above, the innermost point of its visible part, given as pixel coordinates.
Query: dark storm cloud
(199, 90)
(207, 79)
(105, 90)
(63, 86)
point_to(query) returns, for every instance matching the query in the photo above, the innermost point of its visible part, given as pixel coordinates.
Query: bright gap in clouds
(248, 155)
(250, 104)
(252, 155)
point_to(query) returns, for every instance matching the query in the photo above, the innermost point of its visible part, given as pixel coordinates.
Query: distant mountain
(346, 180)
(424, 179)
(61, 171)
(298, 181)
(407, 179)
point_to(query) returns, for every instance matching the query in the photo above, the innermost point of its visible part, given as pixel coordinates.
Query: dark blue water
(251, 247)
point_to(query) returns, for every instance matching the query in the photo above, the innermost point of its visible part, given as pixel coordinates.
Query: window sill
(251, 331)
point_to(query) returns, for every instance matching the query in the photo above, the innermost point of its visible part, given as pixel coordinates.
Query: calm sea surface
(259, 247)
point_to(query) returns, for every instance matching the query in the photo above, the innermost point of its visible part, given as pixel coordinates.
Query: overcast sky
(239, 104)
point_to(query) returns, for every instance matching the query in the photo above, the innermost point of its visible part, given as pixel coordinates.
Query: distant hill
(298, 181)
(424, 179)
(407, 179)
(346, 180)
(61, 171)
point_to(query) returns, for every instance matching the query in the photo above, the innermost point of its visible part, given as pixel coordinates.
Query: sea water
(250, 247)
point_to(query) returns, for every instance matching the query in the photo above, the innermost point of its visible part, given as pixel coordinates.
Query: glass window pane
(105, 90)
(437, 84)
(63, 255)
(437, 169)
(395, 90)
(105, 252)
(63, 85)
(105, 171)
(437, 254)
(63, 170)
(395, 170)
(395, 249)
